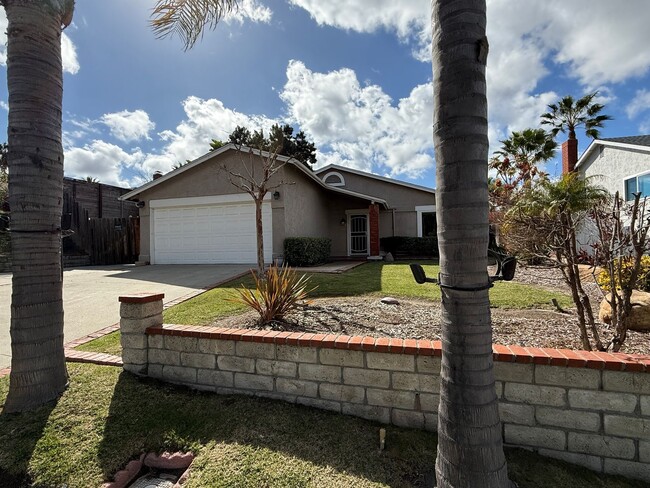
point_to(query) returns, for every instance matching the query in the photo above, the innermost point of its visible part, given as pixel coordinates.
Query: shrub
(276, 295)
(306, 251)
(643, 280)
(410, 246)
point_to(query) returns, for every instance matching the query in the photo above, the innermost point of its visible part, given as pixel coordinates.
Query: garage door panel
(220, 233)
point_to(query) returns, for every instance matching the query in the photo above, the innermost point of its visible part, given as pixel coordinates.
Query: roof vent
(157, 174)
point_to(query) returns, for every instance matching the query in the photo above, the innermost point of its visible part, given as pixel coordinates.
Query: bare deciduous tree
(544, 225)
(623, 240)
(254, 177)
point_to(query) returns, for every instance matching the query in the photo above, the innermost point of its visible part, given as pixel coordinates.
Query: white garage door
(212, 233)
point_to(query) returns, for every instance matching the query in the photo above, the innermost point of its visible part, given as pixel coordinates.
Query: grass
(107, 417)
(109, 344)
(380, 279)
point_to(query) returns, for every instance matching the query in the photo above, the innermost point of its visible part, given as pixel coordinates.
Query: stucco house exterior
(195, 215)
(620, 164)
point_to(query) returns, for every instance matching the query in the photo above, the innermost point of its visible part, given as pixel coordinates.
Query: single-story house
(619, 164)
(195, 215)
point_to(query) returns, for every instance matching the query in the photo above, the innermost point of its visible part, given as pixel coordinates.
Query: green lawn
(380, 279)
(107, 417)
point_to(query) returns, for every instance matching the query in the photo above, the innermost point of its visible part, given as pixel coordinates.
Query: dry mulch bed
(420, 319)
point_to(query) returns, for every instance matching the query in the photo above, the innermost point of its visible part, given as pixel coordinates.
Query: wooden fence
(105, 240)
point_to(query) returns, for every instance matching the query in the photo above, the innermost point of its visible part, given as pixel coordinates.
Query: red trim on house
(373, 223)
(509, 354)
(141, 297)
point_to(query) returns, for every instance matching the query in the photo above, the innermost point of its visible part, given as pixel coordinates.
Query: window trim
(420, 209)
(635, 177)
(341, 181)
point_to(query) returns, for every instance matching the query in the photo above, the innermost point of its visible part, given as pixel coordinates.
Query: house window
(334, 178)
(426, 220)
(637, 184)
(429, 227)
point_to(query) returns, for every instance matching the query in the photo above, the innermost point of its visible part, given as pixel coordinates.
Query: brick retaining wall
(591, 409)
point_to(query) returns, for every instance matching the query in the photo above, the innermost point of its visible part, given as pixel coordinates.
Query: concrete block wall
(591, 409)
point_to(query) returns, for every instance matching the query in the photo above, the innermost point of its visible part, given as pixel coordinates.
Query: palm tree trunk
(35, 87)
(470, 447)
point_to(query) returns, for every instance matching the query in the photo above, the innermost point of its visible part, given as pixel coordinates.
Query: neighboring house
(195, 215)
(620, 164)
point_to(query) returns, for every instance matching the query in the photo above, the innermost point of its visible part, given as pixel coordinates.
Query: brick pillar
(373, 223)
(137, 312)
(569, 155)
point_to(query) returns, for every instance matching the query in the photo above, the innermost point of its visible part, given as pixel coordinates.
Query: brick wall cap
(421, 347)
(144, 297)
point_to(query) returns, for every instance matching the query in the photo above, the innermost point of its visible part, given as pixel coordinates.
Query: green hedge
(410, 246)
(306, 251)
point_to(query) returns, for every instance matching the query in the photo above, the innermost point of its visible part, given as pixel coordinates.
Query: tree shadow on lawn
(241, 438)
(146, 415)
(19, 435)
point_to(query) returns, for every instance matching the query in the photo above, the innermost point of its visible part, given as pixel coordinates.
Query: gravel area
(420, 319)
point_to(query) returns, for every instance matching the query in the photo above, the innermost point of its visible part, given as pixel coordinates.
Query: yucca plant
(276, 294)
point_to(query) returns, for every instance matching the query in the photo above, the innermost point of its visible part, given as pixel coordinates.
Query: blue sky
(354, 74)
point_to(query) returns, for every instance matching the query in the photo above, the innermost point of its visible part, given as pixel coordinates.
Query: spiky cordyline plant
(275, 294)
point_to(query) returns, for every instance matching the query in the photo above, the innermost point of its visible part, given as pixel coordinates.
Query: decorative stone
(390, 301)
(639, 317)
(389, 258)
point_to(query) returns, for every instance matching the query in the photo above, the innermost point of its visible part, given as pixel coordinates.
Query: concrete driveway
(90, 293)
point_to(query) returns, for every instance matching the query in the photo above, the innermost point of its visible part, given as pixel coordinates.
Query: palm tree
(470, 447)
(188, 18)
(524, 150)
(544, 224)
(35, 163)
(569, 114)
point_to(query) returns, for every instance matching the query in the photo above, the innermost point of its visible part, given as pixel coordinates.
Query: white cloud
(205, 120)
(68, 49)
(3, 37)
(4, 105)
(250, 10)
(594, 42)
(359, 126)
(101, 160)
(129, 126)
(69, 55)
(639, 104)
(597, 41)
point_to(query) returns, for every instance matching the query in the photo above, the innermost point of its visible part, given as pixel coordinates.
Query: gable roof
(635, 143)
(634, 140)
(336, 167)
(228, 147)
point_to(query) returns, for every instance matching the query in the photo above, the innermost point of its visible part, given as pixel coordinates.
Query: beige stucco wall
(207, 179)
(611, 166)
(401, 199)
(304, 209)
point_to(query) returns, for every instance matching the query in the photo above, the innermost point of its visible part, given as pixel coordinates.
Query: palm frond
(187, 19)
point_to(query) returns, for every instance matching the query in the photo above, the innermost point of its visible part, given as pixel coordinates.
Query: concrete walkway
(90, 293)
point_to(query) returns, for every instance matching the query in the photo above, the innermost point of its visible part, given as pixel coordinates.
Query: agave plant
(276, 294)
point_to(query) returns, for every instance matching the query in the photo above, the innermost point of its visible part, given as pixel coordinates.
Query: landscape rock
(390, 301)
(640, 316)
(389, 258)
